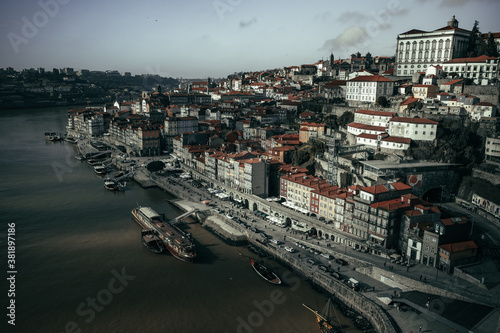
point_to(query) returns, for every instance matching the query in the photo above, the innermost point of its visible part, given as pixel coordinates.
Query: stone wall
(381, 321)
(492, 178)
(461, 273)
(485, 93)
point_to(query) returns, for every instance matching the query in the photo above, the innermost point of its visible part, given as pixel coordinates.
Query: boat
(151, 241)
(101, 169)
(175, 240)
(70, 139)
(52, 136)
(324, 324)
(114, 185)
(267, 275)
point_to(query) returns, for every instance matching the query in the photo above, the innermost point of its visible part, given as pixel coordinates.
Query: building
(455, 254)
(323, 202)
(308, 131)
(424, 91)
(367, 89)
(482, 70)
(444, 231)
(178, 125)
(417, 50)
(419, 129)
(357, 129)
(297, 188)
(373, 118)
(483, 110)
(492, 150)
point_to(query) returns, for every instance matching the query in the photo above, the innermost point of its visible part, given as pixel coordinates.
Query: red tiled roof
(459, 246)
(368, 136)
(370, 78)
(409, 100)
(481, 58)
(375, 189)
(377, 113)
(413, 120)
(392, 204)
(423, 85)
(414, 31)
(367, 127)
(451, 82)
(447, 27)
(485, 104)
(397, 139)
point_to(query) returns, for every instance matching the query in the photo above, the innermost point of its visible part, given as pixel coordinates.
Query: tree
(473, 40)
(331, 122)
(383, 102)
(155, 166)
(346, 118)
(491, 47)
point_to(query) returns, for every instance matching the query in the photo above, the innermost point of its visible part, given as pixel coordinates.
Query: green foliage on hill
(481, 187)
(457, 144)
(346, 118)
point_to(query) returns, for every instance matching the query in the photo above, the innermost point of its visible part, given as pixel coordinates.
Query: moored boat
(101, 169)
(266, 274)
(151, 241)
(324, 324)
(114, 185)
(176, 241)
(52, 136)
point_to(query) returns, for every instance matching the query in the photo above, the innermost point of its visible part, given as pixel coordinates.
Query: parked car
(275, 241)
(336, 275)
(289, 249)
(323, 268)
(326, 256)
(310, 261)
(341, 262)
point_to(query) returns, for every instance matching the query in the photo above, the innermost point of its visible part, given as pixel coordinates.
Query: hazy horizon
(198, 39)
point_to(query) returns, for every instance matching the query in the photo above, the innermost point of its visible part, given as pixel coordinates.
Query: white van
(353, 283)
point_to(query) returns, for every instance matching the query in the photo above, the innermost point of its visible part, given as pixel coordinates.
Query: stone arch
(254, 207)
(246, 203)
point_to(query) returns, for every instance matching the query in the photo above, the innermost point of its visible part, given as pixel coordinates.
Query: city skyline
(215, 38)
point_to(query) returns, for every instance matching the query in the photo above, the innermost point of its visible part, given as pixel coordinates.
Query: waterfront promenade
(377, 290)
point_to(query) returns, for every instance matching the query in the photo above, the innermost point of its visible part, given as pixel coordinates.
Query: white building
(417, 49)
(368, 88)
(374, 118)
(482, 110)
(482, 70)
(419, 129)
(357, 129)
(383, 140)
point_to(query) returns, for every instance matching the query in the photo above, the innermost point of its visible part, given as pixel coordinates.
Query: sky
(215, 38)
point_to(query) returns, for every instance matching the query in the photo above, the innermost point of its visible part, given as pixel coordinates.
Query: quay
(383, 285)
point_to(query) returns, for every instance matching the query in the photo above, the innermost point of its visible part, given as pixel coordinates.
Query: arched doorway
(254, 207)
(246, 204)
(313, 232)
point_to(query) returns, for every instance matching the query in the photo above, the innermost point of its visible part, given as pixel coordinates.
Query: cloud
(324, 17)
(246, 24)
(349, 40)
(352, 16)
(459, 3)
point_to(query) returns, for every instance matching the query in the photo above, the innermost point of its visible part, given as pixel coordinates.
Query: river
(82, 268)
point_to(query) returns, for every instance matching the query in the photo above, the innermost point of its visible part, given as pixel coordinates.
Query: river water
(82, 268)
